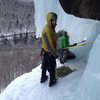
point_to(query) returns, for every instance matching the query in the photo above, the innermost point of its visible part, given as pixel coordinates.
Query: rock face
(82, 8)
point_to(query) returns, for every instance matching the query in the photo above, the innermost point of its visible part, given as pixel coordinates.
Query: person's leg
(61, 56)
(71, 55)
(44, 68)
(52, 64)
(65, 55)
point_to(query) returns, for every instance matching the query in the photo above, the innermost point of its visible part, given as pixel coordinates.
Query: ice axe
(82, 41)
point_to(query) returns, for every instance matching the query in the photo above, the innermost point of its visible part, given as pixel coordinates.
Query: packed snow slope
(28, 86)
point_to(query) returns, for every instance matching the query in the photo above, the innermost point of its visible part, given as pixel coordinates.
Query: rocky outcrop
(82, 8)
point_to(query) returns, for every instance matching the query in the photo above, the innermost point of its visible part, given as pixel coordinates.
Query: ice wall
(89, 88)
(77, 28)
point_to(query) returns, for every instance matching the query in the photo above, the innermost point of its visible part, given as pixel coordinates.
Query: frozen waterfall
(78, 28)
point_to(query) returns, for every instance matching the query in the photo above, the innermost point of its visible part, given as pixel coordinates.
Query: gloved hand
(74, 44)
(55, 54)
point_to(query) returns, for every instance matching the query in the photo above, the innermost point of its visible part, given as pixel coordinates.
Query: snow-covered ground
(28, 86)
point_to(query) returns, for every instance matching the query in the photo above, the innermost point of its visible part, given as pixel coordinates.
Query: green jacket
(64, 41)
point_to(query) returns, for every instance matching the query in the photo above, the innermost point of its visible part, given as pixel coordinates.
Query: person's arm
(48, 44)
(73, 44)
